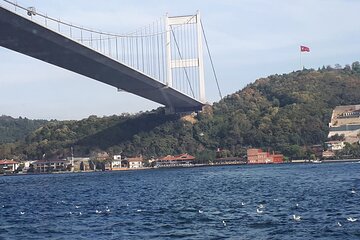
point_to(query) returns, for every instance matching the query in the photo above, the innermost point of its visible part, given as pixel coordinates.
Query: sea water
(289, 201)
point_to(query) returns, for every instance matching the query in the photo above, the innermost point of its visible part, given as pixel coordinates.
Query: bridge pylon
(189, 51)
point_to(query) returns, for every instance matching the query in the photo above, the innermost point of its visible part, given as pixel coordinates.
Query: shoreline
(325, 161)
(185, 167)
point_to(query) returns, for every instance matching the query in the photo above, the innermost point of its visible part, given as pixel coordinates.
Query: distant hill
(280, 112)
(14, 129)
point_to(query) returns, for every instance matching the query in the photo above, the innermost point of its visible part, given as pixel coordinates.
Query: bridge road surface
(27, 37)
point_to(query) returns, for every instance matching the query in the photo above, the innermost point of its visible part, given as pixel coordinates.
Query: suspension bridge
(162, 62)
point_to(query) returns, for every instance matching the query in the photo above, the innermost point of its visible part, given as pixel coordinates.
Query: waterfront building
(8, 166)
(79, 163)
(182, 160)
(332, 147)
(116, 162)
(335, 145)
(119, 163)
(26, 166)
(136, 162)
(257, 156)
(277, 158)
(51, 165)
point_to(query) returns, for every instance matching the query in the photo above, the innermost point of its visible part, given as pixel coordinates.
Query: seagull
(97, 211)
(80, 213)
(242, 204)
(297, 205)
(296, 218)
(351, 219)
(339, 224)
(353, 191)
(201, 211)
(139, 210)
(107, 210)
(77, 207)
(261, 206)
(259, 211)
(224, 223)
(22, 213)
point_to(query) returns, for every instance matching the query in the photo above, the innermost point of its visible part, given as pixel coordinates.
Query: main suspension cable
(211, 61)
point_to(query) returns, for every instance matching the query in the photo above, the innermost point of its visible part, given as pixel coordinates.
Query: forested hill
(286, 111)
(280, 112)
(13, 129)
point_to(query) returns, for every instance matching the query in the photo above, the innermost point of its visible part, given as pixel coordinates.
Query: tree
(355, 66)
(337, 66)
(205, 156)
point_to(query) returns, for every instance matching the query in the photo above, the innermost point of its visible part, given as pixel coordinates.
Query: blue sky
(249, 39)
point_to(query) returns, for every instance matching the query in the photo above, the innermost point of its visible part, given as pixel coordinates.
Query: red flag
(304, 49)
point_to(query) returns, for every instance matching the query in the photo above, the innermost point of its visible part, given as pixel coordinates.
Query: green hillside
(13, 129)
(286, 111)
(280, 112)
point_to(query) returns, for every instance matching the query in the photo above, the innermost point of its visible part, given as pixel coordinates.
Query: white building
(335, 145)
(137, 162)
(116, 162)
(8, 165)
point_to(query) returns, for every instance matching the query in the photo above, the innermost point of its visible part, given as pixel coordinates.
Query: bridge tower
(185, 60)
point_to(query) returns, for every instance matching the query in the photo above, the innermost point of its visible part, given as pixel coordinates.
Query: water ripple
(198, 203)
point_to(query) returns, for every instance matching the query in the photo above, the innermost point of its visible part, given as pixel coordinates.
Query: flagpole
(303, 49)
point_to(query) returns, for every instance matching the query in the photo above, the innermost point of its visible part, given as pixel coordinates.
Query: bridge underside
(26, 37)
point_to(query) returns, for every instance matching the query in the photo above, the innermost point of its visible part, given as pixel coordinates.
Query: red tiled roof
(135, 159)
(7, 162)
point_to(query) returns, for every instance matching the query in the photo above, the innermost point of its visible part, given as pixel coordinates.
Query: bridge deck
(27, 37)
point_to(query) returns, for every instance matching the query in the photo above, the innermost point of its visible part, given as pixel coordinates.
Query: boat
(316, 161)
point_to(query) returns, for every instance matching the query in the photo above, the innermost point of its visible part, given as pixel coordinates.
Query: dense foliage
(281, 113)
(13, 129)
(286, 111)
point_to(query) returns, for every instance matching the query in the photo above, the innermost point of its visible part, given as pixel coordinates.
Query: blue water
(192, 203)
